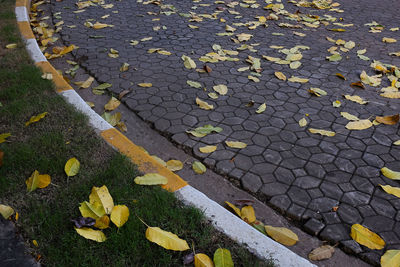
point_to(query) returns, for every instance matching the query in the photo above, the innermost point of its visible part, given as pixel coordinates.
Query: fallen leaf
(358, 84)
(174, 165)
(124, 67)
(102, 197)
(340, 76)
(396, 143)
(391, 190)
(390, 174)
(244, 37)
(356, 98)
(4, 136)
(388, 40)
(221, 89)
(91, 234)
(207, 149)
(261, 108)
(202, 260)
(223, 258)
(336, 103)
(103, 222)
(295, 79)
(334, 57)
(194, 84)
(11, 46)
(166, 239)
(366, 237)
(204, 130)
(295, 65)
(321, 132)
(349, 116)
(85, 84)
(198, 167)
(92, 210)
(72, 167)
(321, 253)
(119, 215)
(151, 179)
(6, 211)
(317, 91)
(188, 62)
(112, 119)
(282, 235)
(254, 79)
(280, 75)
(248, 214)
(112, 104)
(203, 105)
(235, 144)
(229, 28)
(389, 120)
(394, 95)
(303, 122)
(359, 125)
(371, 80)
(350, 45)
(391, 258)
(145, 84)
(36, 118)
(234, 208)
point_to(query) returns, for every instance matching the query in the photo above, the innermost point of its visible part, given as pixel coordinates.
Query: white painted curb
(222, 219)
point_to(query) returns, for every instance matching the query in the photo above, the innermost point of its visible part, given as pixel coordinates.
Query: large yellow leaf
(85, 84)
(91, 234)
(4, 136)
(280, 75)
(234, 208)
(198, 167)
(321, 132)
(356, 98)
(366, 237)
(235, 144)
(391, 258)
(393, 95)
(221, 89)
(202, 260)
(388, 40)
(244, 37)
(282, 235)
(248, 214)
(321, 253)
(103, 222)
(174, 165)
(391, 190)
(349, 116)
(223, 258)
(33, 181)
(92, 210)
(6, 211)
(99, 25)
(203, 104)
(151, 179)
(119, 215)
(101, 196)
(36, 118)
(359, 125)
(44, 180)
(207, 149)
(112, 104)
(166, 239)
(188, 62)
(390, 174)
(72, 167)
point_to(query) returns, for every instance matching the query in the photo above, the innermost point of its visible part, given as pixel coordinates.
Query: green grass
(45, 146)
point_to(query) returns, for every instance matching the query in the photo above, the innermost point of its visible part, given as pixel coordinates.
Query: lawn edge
(221, 219)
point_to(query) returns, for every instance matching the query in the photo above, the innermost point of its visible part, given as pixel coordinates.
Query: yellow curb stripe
(25, 29)
(144, 161)
(59, 82)
(24, 3)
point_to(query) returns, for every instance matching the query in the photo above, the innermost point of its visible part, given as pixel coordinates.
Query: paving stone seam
(222, 219)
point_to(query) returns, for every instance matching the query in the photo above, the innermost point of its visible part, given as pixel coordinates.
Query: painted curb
(221, 218)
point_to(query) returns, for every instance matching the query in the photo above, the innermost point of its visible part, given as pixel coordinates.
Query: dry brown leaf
(321, 253)
(389, 120)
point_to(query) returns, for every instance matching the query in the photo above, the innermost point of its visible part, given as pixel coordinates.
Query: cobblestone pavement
(304, 175)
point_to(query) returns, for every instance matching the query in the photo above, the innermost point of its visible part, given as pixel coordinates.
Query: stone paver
(303, 175)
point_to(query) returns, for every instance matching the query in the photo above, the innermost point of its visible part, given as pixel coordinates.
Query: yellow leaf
(349, 116)
(174, 165)
(261, 108)
(36, 118)
(103, 222)
(221, 89)
(282, 235)
(391, 258)
(151, 179)
(112, 104)
(124, 67)
(203, 105)
(396, 143)
(359, 125)
(317, 91)
(99, 25)
(248, 214)
(394, 95)
(321, 253)
(207, 149)
(295, 79)
(321, 132)
(350, 45)
(188, 62)
(391, 190)
(4, 136)
(85, 84)
(234, 208)
(35, 243)
(145, 84)
(198, 167)
(235, 144)
(163, 52)
(374, 80)
(223, 258)
(72, 167)
(202, 260)
(229, 28)
(166, 239)
(33, 181)
(254, 79)
(295, 65)
(303, 122)
(280, 75)
(6, 211)
(366, 237)
(356, 98)
(101, 196)
(93, 210)
(44, 180)
(161, 161)
(146, 39)
(11, 46)
(388, 40)
(390, 174)
(119, 215)
(244, 37)
(91, 234)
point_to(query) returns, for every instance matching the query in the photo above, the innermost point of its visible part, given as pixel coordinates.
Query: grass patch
(64, 133)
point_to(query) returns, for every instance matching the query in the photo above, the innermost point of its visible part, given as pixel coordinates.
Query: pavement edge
(222, 219)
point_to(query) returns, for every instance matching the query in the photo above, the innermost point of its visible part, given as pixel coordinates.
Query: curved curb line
(222, 219)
